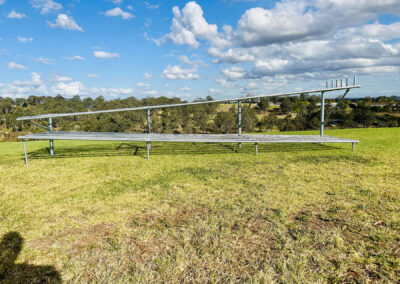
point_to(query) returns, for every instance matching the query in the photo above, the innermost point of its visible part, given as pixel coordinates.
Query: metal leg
(240, 121)
(148, 150)
(51, 147)
(148, 123)
(26, 156)
(353, 146)
(321, 131)
(256, 148)
(51, 141)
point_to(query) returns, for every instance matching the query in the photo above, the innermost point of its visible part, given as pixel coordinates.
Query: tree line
(266, 114)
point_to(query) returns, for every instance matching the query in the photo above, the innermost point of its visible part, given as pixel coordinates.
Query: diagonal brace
(247, 110)
(41, 126)
(336, 106)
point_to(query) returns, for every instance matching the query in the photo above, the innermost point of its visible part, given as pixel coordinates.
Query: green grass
(204, 212)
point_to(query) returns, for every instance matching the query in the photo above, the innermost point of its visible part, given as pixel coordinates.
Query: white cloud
(184, 59)
(147, 75)
(185, 89)
(92, 75)
(177, 72)
(230, 56)
(129, 7)
(189, 24)
(233, 73)
(116, 2)
(285, 22)
(150, 92)
(25, 39)
(13, 65)
(379, 31)
(46, 6)
(74, 58)
(63, 79)
(118, 12)
(151, 6)
(104, 54)
(36, 79)
(15, 15)
(214, 91)
(69, 89)
(45, 60)
(143, 85)
(65, 22)
(2, 2)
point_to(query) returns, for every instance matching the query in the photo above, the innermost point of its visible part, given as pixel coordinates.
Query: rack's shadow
(161, 148)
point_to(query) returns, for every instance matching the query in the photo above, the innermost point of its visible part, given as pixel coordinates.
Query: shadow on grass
(10, 272)
(161, 148)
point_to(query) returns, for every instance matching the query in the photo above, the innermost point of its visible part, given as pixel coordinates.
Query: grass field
(202, 212)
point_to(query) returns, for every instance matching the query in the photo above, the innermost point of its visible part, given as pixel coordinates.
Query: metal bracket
(41, 126)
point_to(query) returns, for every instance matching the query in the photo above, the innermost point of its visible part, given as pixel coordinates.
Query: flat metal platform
(161, 137)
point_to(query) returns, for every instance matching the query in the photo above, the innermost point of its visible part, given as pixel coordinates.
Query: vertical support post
(148, 124)
(321, 132)
(256, 148)
(347, 81)
(148, 121)
(51, 141)
(353, 145)
(25, 155)
(148, 150)
(240, 121)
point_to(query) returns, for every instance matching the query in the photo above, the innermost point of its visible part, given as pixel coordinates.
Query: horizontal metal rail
(44, 116)
(162, 137)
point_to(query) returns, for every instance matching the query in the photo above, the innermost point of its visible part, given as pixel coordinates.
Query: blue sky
(187, 49)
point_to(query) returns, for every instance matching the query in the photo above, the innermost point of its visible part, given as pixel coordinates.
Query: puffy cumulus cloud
(189, 25)
(65, 22)
(68, 89)
(118, 12)
(357, 10)
(15, 15)
(285, 22)
(59, 85)
(379, 31)
(104, 54)
(74, 58)
(46, 6)
(24, 39)
(233, 73)
(13, 65)
(230, 56)
(176, 72)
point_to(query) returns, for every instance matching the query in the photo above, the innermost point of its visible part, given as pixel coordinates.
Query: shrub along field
(100, 212)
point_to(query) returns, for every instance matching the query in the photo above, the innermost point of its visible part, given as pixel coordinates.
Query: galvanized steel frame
(238, 138)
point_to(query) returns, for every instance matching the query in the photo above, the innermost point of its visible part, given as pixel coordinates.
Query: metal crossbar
(44, 116)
